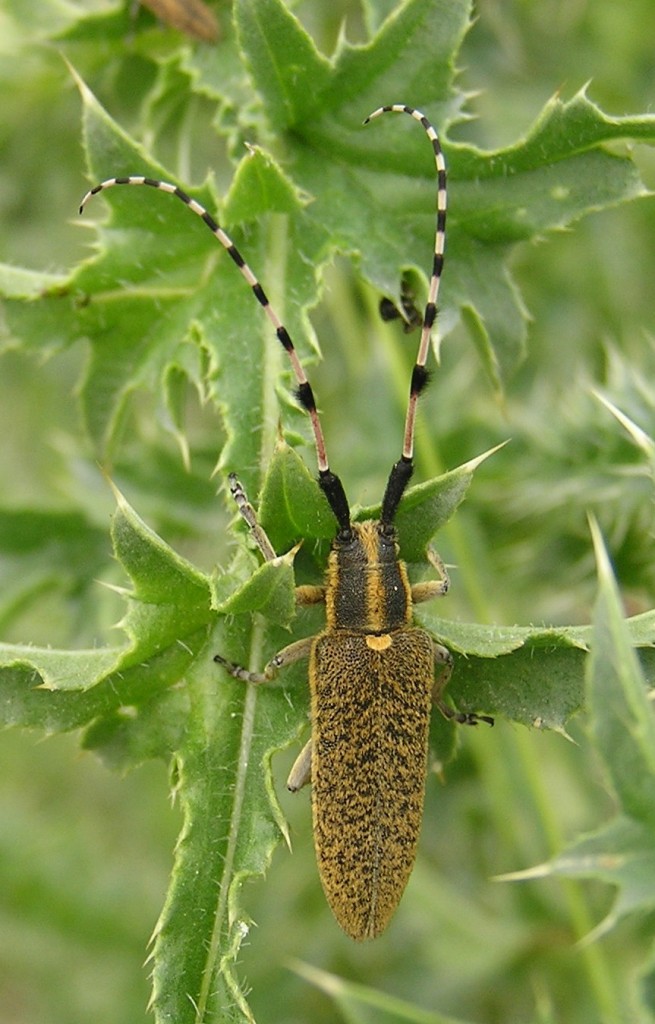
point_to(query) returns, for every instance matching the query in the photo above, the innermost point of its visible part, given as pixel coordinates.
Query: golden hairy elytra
(373, 675)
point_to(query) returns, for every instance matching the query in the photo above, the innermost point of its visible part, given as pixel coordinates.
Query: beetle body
(371, 678)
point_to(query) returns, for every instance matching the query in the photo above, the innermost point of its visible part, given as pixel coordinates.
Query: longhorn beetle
(371, 673)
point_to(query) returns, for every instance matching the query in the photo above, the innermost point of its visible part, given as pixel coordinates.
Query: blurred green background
(85, 854)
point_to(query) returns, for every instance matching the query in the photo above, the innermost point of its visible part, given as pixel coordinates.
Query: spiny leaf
(361, 1004)
(292, 506)
(427, 507)
(369, 192)
(160, 304)
(622, 718)
(622, 722)
(622, 855)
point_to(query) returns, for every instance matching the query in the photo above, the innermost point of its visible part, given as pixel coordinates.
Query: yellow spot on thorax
(379, 643)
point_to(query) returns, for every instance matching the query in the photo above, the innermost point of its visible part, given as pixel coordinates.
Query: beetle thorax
(368, 589)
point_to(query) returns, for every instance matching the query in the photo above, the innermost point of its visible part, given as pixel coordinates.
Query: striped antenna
(402, 470)
(329, 482)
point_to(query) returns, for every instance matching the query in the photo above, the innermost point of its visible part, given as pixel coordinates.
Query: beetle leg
(301, 771)
(432, 588)
(247, 512)
(310, 594)
(293, 652)
(443, 659)
(304, 595)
